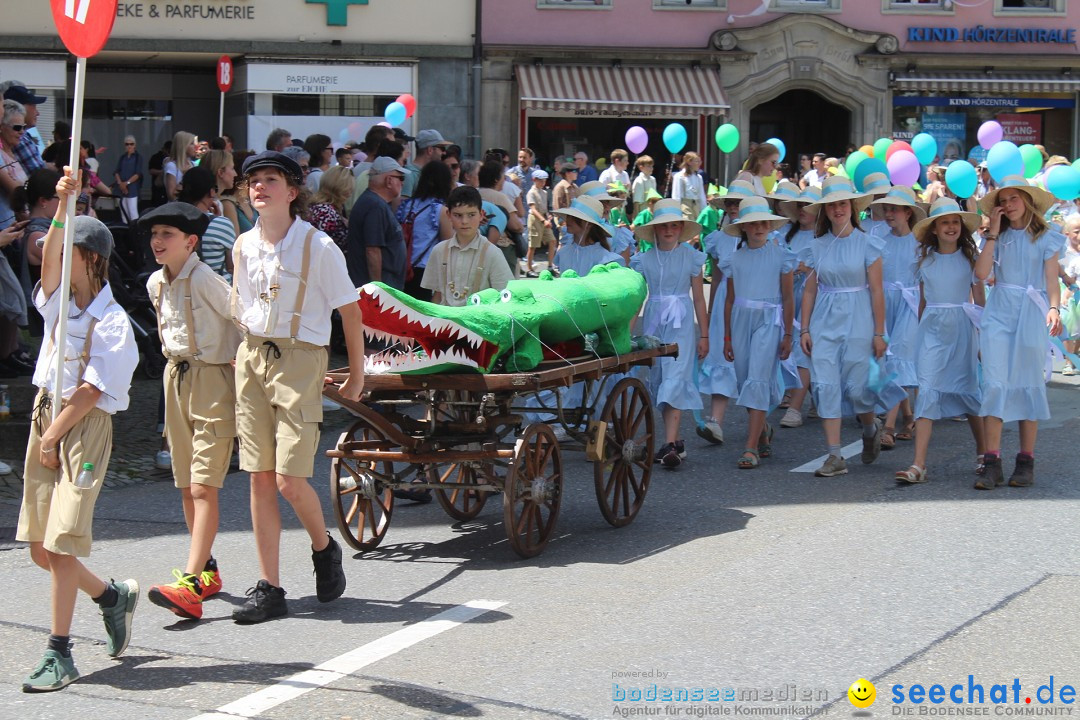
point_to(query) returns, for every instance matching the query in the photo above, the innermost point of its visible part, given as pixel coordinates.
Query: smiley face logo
(862, 693)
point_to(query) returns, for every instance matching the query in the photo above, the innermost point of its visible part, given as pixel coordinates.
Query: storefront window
(564, 4)
(918, 6)
(806, 5)
(100, 109)
(689, 4)
(1029, 7)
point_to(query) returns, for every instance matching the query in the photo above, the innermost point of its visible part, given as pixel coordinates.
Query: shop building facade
(309, 66)
(818, 74)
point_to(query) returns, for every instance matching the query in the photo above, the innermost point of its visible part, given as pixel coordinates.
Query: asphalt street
(775, 589)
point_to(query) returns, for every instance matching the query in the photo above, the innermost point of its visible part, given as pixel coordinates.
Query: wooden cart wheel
(461, 503)
(622, 479)
(362, 503)
(533, 490)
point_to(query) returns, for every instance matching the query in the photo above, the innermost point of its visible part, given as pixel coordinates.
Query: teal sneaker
(118, 617)
(53, 672)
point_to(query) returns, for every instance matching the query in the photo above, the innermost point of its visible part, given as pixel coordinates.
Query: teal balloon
(779, 145)
(961, 178)
(925, 147)
(395, 113)
(674, 137)
(727, 137)
(1032, 160)
(881, 147)
(1076, 164)
(866, 167)
(1003, 160)
(1063, 181)
(854, 160)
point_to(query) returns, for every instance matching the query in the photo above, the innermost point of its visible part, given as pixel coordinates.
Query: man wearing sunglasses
(128, 176)
(28, 152)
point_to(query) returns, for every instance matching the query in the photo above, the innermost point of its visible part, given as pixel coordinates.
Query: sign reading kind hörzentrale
(982, 34)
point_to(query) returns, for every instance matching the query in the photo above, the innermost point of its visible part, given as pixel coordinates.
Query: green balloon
(727, 137)
(881, 147)
(1032, 160)
(853, 161)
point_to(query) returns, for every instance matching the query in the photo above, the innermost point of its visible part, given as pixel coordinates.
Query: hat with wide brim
(666, 211)
(1041, 199)
(905, 197)
(876, 184)
(739, 190)
(790, 208)
(943, 207)
(587, 210)
(596, 190)
(838, 188)
(784, 190)
(751, 210)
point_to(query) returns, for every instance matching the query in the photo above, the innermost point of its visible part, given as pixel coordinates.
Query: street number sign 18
(84, 25)
(224, 73)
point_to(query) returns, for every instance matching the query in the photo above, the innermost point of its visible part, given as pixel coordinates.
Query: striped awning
(663, 91)
(969, 81)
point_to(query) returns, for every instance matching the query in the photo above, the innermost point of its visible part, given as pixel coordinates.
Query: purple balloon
(637, 139)
(903, 168)
(990, 133)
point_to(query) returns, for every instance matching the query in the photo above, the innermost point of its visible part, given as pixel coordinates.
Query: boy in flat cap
(199, 339)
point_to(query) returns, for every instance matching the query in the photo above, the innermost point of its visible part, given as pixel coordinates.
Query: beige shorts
(539, 235)
(200, 421)
(58, 514)
(279, 404)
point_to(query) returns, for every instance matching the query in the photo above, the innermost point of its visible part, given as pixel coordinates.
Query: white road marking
(344, 665)
(845, 452)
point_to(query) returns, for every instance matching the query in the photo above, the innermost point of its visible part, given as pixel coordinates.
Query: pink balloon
(637, 139)
(990, 133)
(409, 102)
(903, 168)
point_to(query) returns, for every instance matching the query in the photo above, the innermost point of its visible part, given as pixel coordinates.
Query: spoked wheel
(461, 503)
(533, 490)
(363, 503)
(622, 479)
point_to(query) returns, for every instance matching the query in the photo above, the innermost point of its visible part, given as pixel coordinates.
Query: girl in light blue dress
(1022, 253)
(947, 341)
(672, 269)
(799, 239)
(899, 256)
(758, 313)
(843, 323)
(716, 377)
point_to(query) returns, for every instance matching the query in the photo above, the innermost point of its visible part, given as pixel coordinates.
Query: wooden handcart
(461, 436)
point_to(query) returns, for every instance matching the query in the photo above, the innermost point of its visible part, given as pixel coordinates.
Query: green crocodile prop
(504, 331)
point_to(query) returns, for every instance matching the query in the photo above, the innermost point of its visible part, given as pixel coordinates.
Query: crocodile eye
(475, 300)
(506, 296)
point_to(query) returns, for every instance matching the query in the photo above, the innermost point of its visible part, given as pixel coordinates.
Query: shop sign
(1021, 128)
(219, 10)
(981, 34)
(337, 11)
(949, 129)
(1000, 102)
(327, 79)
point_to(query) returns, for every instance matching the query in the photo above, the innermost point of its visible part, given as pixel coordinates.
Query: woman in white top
(184, 146)
(689, 187)
(761, 163)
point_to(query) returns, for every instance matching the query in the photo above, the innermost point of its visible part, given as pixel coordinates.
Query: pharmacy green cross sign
(337, 11)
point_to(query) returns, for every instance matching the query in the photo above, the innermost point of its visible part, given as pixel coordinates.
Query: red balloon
(409, 102)
(898, 145)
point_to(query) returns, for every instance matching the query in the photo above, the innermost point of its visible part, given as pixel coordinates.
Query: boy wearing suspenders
(287, 278)
(199, 339)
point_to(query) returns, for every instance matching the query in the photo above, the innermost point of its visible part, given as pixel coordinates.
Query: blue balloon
(1003, 160)
(395, 113)
(961, 178)
(779, 145)
(1064, 182)
(925, 147)
(866, 167)
(674, 137)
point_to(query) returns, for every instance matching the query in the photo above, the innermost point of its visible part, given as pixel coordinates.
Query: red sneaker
(182, 597)
(210, 581)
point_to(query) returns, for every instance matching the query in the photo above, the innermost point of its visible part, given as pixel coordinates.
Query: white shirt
(690, 187)
(610, 175)
(113, 352)
(263, 264)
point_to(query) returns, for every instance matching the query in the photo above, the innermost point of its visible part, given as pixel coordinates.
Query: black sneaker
(1024, 474)
(663, 451)
(991, 476)
(329, 577)
(265, 602)
(680, 448)
(671, 459)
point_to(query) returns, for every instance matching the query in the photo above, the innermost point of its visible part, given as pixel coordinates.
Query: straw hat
(666, 211)
(876, 184)
(784, 190)
(839, 187)
(596, 190)
(941, 208)
(904, 196)
(587, 210)
(751, 210)
(1041, 199)
(740, 189)
(790, 208)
